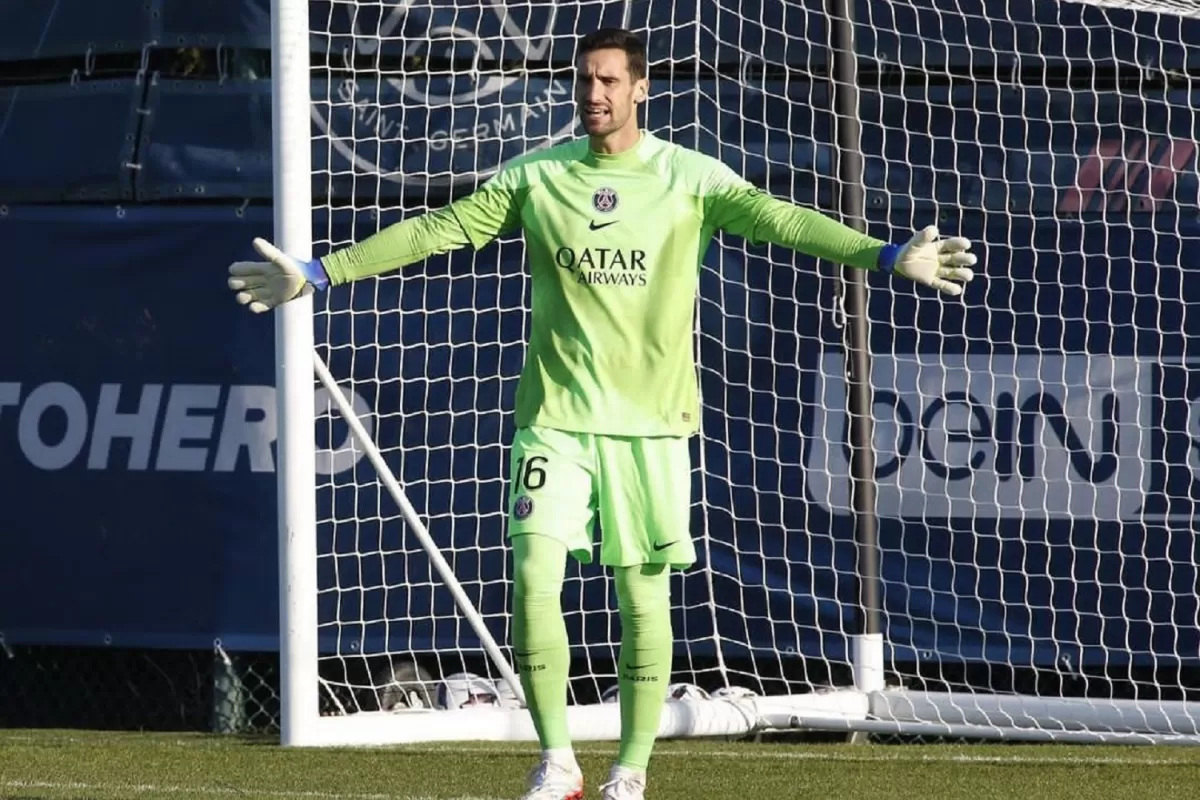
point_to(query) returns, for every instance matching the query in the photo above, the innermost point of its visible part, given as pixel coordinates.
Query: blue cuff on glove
(314, 273)
(887, 258)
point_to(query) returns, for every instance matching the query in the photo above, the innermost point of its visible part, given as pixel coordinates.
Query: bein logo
(449, 115)
(1137, 177)
(990, 436)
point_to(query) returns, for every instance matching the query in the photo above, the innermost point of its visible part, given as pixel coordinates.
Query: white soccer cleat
(624, 784)
(553, 780)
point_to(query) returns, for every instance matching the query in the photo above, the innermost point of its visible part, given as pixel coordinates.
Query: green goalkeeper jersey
(614, 245)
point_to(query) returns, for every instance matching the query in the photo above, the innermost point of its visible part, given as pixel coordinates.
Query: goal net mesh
(1036, 441)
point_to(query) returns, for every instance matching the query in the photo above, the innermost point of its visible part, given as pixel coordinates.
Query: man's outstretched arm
(474, 220)
(736, 206)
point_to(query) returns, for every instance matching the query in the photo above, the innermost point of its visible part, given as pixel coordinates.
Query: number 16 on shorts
(528, 476)
(553, 488)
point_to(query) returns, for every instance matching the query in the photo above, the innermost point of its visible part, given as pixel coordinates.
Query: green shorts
(638, 488)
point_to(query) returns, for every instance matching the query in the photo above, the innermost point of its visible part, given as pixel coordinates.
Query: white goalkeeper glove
(263, 285)
(927, 259)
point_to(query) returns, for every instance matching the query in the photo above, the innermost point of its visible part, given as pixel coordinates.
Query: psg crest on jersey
(604, 200)
(523, 507)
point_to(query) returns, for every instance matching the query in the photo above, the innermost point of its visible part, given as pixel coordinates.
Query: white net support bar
(1037, 442)
(1183, 8)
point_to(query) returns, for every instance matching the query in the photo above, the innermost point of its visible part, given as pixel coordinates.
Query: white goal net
(1036, 443)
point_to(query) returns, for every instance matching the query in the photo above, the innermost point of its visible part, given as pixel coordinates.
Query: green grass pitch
(104, 766)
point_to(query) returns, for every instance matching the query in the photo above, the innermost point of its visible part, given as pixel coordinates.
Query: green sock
(644, 594)
(540, 635)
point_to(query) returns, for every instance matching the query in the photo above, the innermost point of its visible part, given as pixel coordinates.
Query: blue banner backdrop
(910, 32)
(1053, 518)
(136, 432)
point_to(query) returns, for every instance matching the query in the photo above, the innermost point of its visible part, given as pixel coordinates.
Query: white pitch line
(751, 752)
(212, 791)
(747, 751)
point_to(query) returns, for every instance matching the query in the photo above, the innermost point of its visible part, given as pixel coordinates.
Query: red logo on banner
(1139, 177)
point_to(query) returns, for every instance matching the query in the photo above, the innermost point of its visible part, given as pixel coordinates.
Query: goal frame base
(1037, 717)
(888, 712)
(681, 719)
(960, 715)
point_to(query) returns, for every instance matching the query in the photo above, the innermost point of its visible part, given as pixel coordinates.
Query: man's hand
(935, 262)
(265, 284)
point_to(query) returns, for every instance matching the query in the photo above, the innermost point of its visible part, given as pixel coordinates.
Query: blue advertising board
(1030, 460)
(1038, 442)
(893, 32)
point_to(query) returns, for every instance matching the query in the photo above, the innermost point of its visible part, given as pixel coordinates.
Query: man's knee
(539, 564)
(644, 592)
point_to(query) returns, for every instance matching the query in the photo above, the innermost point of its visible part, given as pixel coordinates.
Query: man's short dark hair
(617, 39)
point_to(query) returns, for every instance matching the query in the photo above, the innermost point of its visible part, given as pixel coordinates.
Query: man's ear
(641, 90)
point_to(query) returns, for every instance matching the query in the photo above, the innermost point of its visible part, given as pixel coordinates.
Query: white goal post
(1038, 483)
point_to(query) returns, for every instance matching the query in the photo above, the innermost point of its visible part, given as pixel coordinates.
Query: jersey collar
(626, 158)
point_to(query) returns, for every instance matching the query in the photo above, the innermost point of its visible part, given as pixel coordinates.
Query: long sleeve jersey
(614, 245)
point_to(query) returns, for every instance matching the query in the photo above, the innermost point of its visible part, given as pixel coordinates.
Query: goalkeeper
(616, 225)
